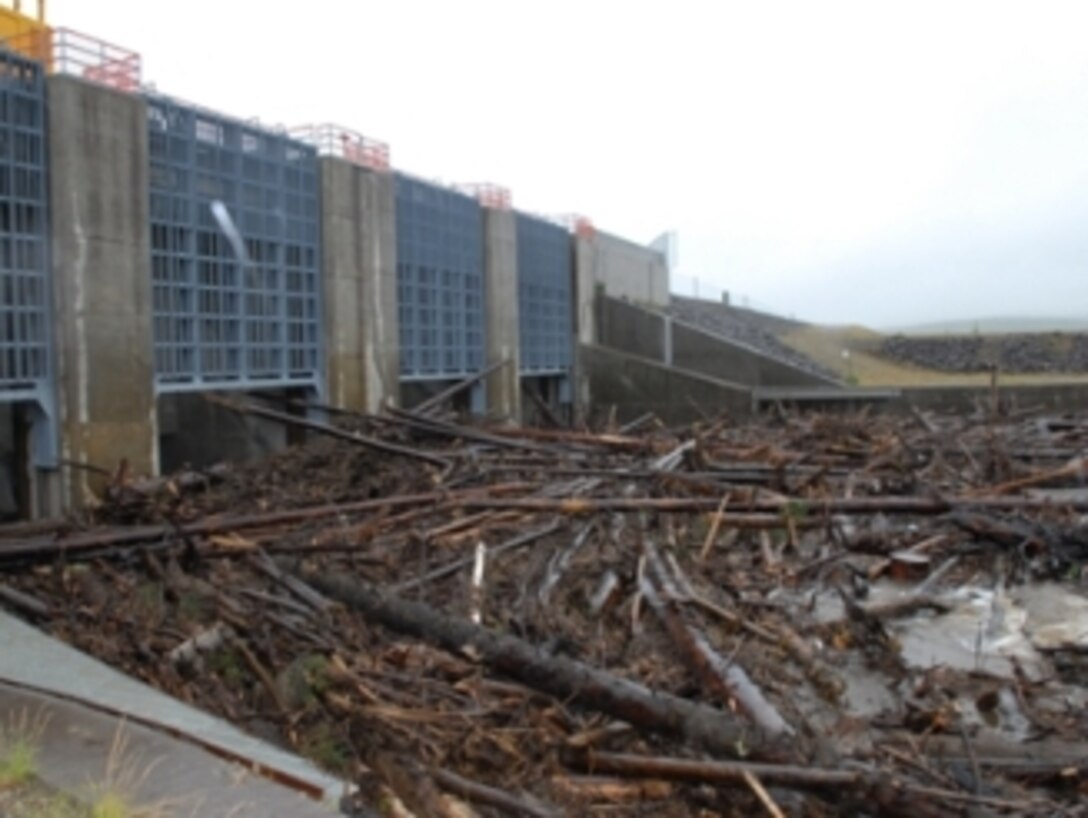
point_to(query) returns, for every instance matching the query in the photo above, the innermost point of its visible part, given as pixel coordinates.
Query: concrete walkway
(173, 752)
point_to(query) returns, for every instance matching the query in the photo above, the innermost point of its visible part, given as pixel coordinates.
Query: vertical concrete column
(584, 288)
(501, 295)
(101, 257)
(359, 255)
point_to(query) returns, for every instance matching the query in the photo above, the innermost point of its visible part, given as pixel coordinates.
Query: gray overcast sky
(877, 162)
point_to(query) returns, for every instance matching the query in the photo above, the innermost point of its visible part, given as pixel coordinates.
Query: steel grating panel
(25, 291)
(440, 281)
(24, 271)
(545, 308)
(220, 322)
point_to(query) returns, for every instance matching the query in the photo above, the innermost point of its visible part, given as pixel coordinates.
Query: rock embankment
(1056, 352)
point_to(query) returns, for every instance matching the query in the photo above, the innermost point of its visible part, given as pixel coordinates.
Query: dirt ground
(801, 615)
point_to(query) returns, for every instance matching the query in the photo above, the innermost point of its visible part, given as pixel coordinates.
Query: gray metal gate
(222, 322)
(545, 307)
(25, 291)
(440, 281)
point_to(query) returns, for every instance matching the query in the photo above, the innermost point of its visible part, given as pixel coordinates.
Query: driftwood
(612, 790)
(727, 678)
(91, 541)
(637, 423)
(435, 401)
(545, 410)
(23, 602)
(682, 769)
(851, 505)
(606, 441)
(331, 431)
(206, 640)
(455, 432)
(712, 730)
(483, 794)
(453, 567)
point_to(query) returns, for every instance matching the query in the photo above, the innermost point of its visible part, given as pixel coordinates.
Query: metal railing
(487, 194)
(344, 143)
(64, 51)
(577, 223)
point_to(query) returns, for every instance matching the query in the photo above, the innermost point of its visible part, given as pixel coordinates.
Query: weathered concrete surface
(86, 753)
(637, 331)
(1057, 397)
(626, 269)
(359, 256)
(619, 268)
(102, 281)
(585, 291)
(644, 332)
(583, 294)
(197, 433)
(502, 337)
(636, 385)
(701, 351)
(818, 399)
(31, 659)
(750, 328)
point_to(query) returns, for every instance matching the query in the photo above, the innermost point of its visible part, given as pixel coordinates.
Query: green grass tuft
(18, 761)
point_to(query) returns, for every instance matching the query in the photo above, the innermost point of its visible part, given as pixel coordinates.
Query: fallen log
(89, 541)
(432, 403)
(612, 790)
(636, 424)
(606, 441)
(545, 410)
(330, 431)
(727, 679)
(712, 730)
(455, 432)
(1075, 469)
(844, 505)
(456, 565)
(682, 769)
(481, 793)
(24, 602)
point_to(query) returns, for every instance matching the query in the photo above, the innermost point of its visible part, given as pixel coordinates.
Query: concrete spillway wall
(648, 333)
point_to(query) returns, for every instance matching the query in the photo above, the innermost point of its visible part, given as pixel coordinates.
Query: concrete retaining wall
(632, 329)
(712, 355)
(643, 332)
(629, 270)
(636, 385)
(1056, 397)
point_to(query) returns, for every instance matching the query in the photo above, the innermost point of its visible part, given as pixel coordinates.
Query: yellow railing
(28, 35)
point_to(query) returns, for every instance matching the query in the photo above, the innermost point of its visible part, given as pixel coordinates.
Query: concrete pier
(501, 306)
(359, 243)
(98, 160)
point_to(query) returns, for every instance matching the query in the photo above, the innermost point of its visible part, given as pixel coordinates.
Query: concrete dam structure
(152, 250)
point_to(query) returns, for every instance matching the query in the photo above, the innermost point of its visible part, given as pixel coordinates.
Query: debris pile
(1021, 353)
(804, 615)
